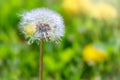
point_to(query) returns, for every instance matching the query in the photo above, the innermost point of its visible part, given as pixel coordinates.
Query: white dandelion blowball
(40, 24)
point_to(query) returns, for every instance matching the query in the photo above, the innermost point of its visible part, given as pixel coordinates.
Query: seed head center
(42, 27)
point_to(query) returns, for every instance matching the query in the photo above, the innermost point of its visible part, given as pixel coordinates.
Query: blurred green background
(90, 49)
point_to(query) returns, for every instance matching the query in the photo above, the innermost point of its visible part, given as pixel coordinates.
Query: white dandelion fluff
(42, 23)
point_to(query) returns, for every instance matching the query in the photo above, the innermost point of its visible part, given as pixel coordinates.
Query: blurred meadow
(89, 50)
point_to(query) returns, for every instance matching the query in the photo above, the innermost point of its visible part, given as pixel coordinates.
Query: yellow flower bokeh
(85, 6)
(71, 6)
(103, 11)
(91, 54)
(98, 10)
(76, 6)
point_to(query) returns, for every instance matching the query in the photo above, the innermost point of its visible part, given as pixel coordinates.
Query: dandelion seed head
(42, 23)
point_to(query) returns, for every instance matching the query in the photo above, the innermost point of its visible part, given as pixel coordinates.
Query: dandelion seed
(42, 23)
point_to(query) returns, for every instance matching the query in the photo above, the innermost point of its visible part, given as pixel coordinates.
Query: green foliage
(19, 61)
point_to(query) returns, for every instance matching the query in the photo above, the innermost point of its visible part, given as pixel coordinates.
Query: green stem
(41, 61)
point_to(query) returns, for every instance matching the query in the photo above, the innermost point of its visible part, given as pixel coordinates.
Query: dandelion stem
(41, 61)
